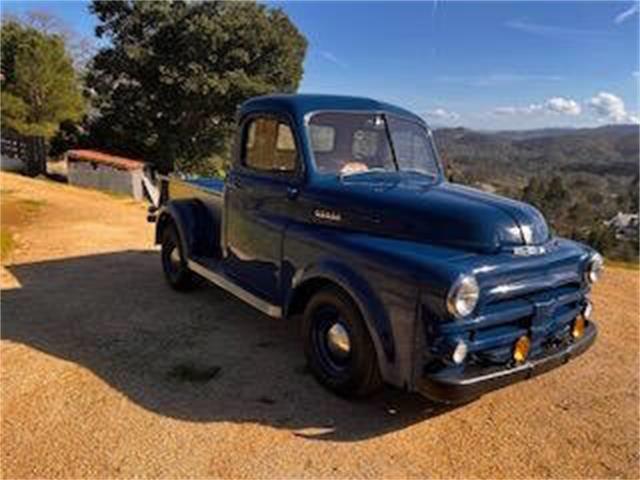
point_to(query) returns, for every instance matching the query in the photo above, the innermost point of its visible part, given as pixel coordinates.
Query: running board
(241, 293)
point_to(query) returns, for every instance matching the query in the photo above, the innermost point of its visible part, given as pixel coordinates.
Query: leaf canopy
(168, 84)
(39, 88)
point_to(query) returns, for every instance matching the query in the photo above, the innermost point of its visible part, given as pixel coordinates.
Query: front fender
(387, 279)
(373, 310)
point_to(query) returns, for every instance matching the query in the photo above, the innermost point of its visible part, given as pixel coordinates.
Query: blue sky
(489, 65)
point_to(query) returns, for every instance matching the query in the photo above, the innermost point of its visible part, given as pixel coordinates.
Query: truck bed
(210, 184)
(203, 188)
(204, 198)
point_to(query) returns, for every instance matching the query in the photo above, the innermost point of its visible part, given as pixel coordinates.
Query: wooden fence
(32, 151)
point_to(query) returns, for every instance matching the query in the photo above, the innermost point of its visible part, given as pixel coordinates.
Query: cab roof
(299, 105)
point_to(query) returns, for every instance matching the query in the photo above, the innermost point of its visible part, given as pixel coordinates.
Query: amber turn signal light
(578, 327)
(521, 349)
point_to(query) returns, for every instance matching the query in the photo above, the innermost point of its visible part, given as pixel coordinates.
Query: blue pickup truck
(336, 214)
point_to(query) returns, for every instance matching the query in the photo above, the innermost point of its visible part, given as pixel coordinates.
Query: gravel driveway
(106, 372)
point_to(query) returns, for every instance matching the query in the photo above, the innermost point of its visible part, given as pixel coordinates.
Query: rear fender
(196, 229)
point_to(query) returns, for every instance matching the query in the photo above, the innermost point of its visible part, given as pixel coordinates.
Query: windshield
(352, 143)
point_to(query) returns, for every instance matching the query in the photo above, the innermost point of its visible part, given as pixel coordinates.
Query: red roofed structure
(94, 156)
(102, 171)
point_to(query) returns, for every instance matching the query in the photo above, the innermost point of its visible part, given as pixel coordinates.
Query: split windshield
(355, 143)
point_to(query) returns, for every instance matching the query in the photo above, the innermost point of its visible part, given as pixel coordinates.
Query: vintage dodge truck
(335, 213)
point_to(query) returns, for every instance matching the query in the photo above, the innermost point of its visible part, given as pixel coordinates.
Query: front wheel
(174, 261)
(338, 346)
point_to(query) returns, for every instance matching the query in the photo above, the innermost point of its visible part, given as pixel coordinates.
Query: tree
(533, 193)
(634, 194)
(168, 84)
(70, 134)
(601, 238)
(39, 86)
(556, 196)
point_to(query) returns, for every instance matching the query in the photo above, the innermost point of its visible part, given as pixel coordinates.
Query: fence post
(36, 156)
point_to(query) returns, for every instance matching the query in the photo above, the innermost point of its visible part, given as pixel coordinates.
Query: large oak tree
(168, 82)
(40, 88)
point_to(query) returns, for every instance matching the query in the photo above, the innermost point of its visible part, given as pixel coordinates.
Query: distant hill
(508, 159)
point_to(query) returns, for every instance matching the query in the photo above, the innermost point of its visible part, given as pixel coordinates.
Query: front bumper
(463, 386)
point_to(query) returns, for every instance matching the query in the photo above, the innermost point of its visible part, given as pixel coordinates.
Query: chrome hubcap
(338, 341)
(175, 257)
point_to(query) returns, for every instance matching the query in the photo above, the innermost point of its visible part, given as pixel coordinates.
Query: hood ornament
(528, 250)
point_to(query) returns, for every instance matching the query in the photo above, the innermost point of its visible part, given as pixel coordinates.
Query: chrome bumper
(460, 387)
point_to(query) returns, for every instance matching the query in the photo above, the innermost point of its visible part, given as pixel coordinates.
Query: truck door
(260, 195)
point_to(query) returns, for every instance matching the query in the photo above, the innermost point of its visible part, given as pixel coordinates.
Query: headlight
(463, 296)
(594, 269)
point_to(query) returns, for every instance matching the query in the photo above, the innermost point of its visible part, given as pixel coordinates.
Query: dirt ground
(106, 372)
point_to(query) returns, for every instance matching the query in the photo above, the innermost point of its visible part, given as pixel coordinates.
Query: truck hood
(414, 207)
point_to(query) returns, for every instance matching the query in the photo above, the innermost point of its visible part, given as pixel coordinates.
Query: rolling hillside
(507, 159)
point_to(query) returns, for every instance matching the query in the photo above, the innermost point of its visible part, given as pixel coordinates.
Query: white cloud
(442, 114)
(563, 105)
(330, 57)
(636, 73)
(610, 108)
(527, 110)
(606, 106)
(552, 30)
(506, 111)
(629, 12)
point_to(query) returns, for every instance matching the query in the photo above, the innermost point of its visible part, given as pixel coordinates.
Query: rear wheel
(338, 346)
(174, 261)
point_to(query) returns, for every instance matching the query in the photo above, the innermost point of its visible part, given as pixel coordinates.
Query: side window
(269, 146)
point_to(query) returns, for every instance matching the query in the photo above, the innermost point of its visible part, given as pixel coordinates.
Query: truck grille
(542, 306)
(545, 316)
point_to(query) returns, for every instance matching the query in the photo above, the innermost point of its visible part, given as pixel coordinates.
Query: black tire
(352, 371)
(174, 261)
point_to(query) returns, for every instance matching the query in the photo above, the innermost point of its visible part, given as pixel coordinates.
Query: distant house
(625, 225)
(93, 169)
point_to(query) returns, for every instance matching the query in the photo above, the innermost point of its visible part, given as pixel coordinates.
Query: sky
(483, 65)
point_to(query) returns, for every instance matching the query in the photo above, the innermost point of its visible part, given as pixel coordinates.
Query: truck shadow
(202, 356)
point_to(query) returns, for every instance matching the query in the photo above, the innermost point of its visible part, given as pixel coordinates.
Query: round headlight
(594, 268)
(463, 296)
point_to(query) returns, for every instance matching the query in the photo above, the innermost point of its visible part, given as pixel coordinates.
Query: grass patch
(32, 205)
(117, 195)
(6, 243)
(18, 211)
(15, 213)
